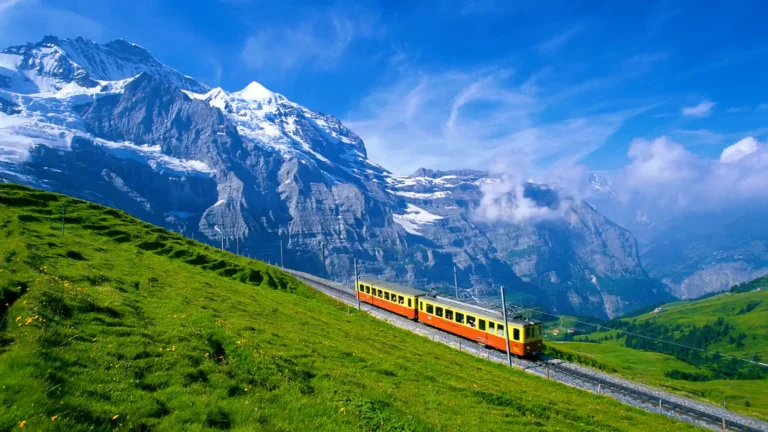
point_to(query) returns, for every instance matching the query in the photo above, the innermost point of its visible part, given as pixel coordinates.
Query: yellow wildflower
(18, 318)
(23, 424)
(115, 417)
(54, 417)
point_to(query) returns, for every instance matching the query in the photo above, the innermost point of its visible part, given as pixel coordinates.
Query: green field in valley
(732, 323)
(122, 325)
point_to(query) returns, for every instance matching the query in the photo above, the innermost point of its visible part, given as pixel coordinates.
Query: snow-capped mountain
(109, 123)
(56, 65)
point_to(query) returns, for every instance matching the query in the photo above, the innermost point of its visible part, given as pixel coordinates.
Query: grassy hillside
(119, 324)
(731, 323)
(745, 314)
(761, 283)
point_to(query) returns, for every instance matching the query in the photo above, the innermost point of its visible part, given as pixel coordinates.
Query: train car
(481, 325)
(396, 298)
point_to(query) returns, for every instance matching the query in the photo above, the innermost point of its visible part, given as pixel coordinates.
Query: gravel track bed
(558, 370)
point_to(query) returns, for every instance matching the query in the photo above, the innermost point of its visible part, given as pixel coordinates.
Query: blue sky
(464, 84)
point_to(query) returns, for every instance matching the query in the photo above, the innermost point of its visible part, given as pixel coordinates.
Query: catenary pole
(322, 245)
(506, 324)
(455, 282)
(357, 286)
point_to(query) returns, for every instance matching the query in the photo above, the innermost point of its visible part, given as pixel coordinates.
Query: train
(482, 325)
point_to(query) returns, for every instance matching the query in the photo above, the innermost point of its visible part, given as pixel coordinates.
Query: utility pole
(221, 224)
(63, 211)
(357, 286)
(322, 245)
(282, 264)
(455, 282)
(506, 324)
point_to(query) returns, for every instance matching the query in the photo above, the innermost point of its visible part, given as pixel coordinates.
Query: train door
(481, 327)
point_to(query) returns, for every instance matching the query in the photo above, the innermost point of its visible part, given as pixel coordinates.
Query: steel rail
(645, 396)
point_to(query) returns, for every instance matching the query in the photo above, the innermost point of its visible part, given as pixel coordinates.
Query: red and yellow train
(482, 325)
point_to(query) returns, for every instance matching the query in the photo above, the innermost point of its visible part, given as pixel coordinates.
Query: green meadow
(742, 332)
(118, 324)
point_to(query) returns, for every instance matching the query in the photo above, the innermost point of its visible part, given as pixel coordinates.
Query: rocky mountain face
(693, 253)
(256, 172)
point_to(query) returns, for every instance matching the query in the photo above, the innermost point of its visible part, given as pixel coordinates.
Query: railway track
(664, 405)
(684, 409)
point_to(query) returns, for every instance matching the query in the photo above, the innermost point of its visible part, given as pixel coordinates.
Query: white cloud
(738, 151)
(7, 4)
(703, 109)
(505, 201)
(471, 120)
(558, 41)
(657, 163)
(737, 109)
(701, 136)
(673, 177)
(319, 41)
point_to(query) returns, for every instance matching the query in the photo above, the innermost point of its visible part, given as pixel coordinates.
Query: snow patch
(18, 135)
(198, 96)
(414, 219)
(420, 195)
(255, 91)
(153, 156)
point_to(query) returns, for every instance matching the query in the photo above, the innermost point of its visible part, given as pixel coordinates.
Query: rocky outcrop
(253, 170)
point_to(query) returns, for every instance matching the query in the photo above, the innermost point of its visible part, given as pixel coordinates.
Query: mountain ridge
(254, 171)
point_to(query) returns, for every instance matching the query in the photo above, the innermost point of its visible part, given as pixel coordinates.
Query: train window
(471, 321)
(516, 334)
(448, 314)
(386, 295)
(500, 330)
(481, 325)
(460, 317)
(527, 332)
(400, 299)
(409, 303)
(439, 311)
(380, 293)
(491, 327)
(430, 310)
(367, 290)
(421, 306)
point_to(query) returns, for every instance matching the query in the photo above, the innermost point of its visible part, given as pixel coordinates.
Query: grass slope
(730, 306)
(746, 312)
(122, 325)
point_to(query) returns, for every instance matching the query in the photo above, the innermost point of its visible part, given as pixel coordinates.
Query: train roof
(482, 312)
(401, 289)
